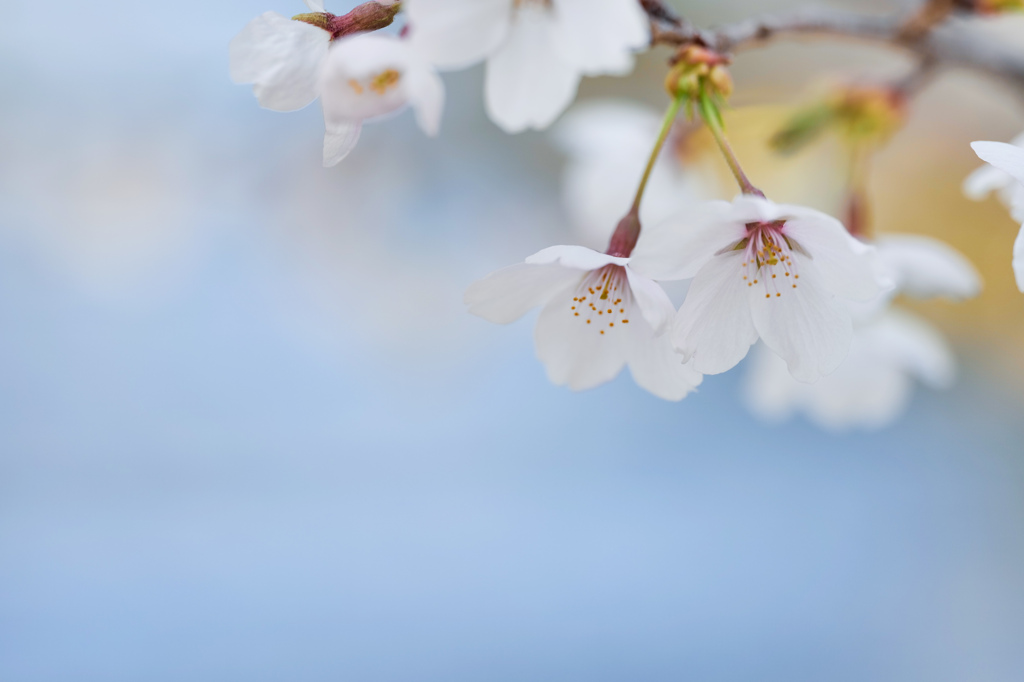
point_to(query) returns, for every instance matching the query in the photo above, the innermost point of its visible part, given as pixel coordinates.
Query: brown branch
(942, 47)
(659, 11)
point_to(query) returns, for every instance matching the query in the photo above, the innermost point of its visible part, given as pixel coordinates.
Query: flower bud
(858, 114)
(698, 69)
(721, 81)
(683, 81)
(370, 16)
(870, 114)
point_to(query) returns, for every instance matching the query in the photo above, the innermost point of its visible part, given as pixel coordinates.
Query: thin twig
(945, 46)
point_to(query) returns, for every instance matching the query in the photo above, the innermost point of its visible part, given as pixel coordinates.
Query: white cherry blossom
(282, 57)
(890, 349)
(370, 76)
(598, 315)
(607, 144)
(536, 50)
(761, 270)
(1008, 159)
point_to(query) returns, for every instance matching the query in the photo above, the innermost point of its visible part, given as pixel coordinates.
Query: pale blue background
(247, 431)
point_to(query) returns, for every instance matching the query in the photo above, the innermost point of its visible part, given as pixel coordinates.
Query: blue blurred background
(248, 432)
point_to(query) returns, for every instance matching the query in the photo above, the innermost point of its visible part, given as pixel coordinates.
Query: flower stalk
(713, 119)
(627, 233)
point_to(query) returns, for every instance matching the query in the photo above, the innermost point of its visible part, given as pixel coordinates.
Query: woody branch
(942, 46)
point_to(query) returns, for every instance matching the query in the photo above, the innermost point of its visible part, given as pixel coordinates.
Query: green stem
(713, 119)
(666, 128)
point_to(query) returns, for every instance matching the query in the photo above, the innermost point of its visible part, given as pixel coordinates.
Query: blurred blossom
(872, 387)
(607, 144)
(988, 179)
(116, 209)
(1008, 163)
(536, 52)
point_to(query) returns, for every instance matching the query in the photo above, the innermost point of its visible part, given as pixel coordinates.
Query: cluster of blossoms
(814, 295)
(536, 53)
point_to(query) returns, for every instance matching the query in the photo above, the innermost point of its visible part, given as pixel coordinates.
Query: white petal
(508, 294)
(454, 34)
(599, 36)
(750, 208)
(283, 58)
(426, 93)
(984, 181)
(1013, 197)
(315, 5)
(529, 83)
(339, 140)
(1018, 259)
(655, 305)
(714, 326)
(577, 354)
(924, 267)
(844, 263)
(677, 248)
(657, 368)
(1004, 156)
(806, 326)
(579, 257)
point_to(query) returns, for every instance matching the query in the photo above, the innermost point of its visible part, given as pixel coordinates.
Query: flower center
(603, 300)
(768, 259)
(379, 83)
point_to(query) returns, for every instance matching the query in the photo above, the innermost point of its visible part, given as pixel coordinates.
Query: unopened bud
(698, 69)
(683, 81)
(871, 114)
(721, 80)
(858, 114)
(370, 16)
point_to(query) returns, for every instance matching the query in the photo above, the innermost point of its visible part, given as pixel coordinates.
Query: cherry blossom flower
(607, 143)
(598, 316)
(762, 270)
(370, 76)
(890, 348)
(1008, 159)
(536, 50)
(282, 57)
